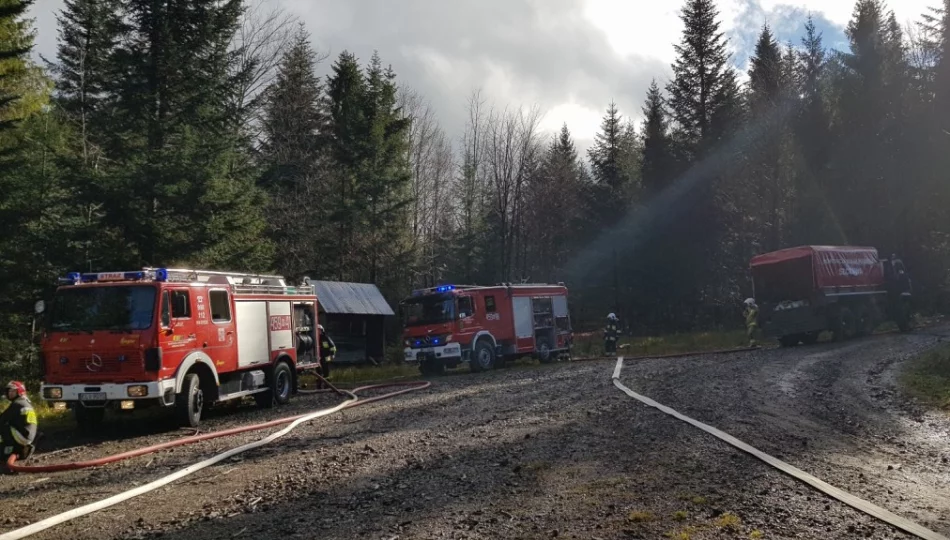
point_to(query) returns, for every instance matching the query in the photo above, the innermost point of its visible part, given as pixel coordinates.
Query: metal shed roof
(337, 297)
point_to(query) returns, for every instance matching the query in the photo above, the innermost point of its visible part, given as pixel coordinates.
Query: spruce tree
(89, 34)
(605, 153)
(703, 95)
(182, 192)
(765, 73)
(295, 161)
(15, 44)
(657, 164)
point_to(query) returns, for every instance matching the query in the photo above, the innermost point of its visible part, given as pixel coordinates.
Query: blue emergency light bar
(75, 278)
(439, 289)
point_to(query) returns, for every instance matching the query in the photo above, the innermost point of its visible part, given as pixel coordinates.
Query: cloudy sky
(569, 57)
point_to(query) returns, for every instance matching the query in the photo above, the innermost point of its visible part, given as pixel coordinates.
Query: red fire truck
(848, 290)
(485, 326)
(175, 338)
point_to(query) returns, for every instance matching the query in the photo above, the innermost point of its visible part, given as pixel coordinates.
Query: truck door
(524, 323)
(222, 345)
(178, 336)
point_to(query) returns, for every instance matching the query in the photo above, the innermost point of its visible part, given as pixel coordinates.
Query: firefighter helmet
(750, 301)
(612, 317)
(18, 387)
(320, 327)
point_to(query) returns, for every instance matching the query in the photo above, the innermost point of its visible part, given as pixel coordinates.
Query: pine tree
(605, 153)
(15, 44)
(703, 95)
(182, 192)
(765, 73)
(656, 167)
(294, 155)
(89, 34)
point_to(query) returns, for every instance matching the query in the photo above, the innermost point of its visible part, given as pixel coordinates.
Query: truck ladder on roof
(242, 283)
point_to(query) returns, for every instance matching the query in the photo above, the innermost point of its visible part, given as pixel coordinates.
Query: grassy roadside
(927, 378)
(591, 345)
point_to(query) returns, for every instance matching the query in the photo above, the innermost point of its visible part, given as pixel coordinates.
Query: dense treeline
(198, 132)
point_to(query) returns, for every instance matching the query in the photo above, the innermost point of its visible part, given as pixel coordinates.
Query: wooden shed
(354, 314)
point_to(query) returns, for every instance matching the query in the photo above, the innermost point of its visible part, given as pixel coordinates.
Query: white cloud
(569, 57)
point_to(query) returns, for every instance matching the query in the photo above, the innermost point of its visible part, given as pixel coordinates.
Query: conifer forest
(204, 133)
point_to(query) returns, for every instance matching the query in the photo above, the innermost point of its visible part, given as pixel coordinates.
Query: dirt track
(545, 452)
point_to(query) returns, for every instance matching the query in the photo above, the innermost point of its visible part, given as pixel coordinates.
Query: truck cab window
(465, 307)
(166, 310)
(489, 304)
(181, 305)
(220, 306)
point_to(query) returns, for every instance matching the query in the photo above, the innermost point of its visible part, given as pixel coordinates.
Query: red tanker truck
(803, 291)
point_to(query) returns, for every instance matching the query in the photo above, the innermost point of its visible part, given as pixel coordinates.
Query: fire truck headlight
(448, 338)
(137, 390)
(53, 393)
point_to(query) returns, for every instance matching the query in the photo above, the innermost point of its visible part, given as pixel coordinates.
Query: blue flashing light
(445, 288)
(90, 278)
(161, 274)
(134, 275)
(435, 341)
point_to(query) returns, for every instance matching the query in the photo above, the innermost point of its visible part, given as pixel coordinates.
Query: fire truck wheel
(280, 382)
(544, 353)
(89, 419)
(810, 338)
(845, 324)
(789, 341)
(483, 356)
(190, 401)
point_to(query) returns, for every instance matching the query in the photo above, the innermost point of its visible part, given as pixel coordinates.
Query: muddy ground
(544, 452)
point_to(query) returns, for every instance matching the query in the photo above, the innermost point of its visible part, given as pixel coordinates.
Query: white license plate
(96, 396)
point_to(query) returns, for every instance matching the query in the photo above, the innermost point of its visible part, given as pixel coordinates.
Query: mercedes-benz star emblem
(94, 363)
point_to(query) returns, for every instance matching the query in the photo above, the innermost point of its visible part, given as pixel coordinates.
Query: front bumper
(73, 393)
(450, 350)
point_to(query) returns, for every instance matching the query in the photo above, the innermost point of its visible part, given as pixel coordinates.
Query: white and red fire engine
(485, 326)
(175, 338)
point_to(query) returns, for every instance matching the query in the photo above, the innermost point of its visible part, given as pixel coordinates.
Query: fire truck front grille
(98, 364)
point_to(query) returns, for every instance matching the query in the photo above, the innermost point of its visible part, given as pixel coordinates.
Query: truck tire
(483, 356)
(810, 338)
(864, 323)
(844, 324)
(544, 353)
(903, 318)
(89, 419)
(280, 383)
(189, 402)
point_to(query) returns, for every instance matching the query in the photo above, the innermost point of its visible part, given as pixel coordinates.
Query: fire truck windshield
(432, 309)
(103, 308)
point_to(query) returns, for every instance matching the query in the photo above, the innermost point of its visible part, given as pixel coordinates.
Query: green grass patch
(361, 374)
(592, 345)
(640, 516)
(927, 377)
(729, 521)
(680, 515)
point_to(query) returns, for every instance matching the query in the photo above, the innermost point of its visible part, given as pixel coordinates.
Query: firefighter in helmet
(751, 315)
(327, 351)
(610, 334)
(17, 424)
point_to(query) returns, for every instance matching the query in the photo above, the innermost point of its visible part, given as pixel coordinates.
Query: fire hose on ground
(800, 475)
(353, 400)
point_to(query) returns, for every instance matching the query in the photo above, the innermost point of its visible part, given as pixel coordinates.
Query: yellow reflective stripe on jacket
(30, 415)
(19, 439)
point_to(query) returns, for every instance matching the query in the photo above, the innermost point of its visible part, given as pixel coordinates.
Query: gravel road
(544, 452)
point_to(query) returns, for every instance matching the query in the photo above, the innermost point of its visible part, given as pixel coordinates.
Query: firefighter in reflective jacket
(327, 352)
(610, 334)
(751, 320)
(17, 424)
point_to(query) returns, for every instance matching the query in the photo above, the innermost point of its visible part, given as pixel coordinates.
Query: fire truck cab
(485, 326)
(176, 338)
